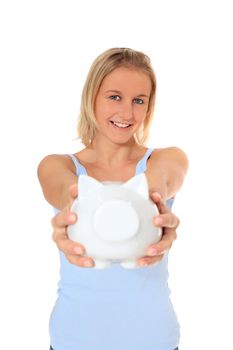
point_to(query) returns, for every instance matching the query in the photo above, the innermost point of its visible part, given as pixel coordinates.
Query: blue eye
(115, 97)
(139, 101)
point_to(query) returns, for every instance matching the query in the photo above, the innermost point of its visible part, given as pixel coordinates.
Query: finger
(73, 193)
(63, 218)
(147, 260)
(167, 220)
(73, 190)
(80, 261)
(169, 234)
(155, 196)
(168, 237)
(67, 246)
(59, 233)
(166, 242)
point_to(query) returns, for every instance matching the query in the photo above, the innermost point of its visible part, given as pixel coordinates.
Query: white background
(46, 50)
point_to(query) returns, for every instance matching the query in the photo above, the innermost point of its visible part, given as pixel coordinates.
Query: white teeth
(121, 125)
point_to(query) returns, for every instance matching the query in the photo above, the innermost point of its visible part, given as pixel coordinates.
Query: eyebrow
(119, 92)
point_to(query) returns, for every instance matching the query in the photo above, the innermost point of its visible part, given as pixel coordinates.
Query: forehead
(129, 79)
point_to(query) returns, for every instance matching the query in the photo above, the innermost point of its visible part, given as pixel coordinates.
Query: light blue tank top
(114, 308)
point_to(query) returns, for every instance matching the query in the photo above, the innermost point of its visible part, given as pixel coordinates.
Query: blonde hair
(101, 67)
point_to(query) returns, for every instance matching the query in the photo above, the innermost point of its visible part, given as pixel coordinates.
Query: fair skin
(113, 154)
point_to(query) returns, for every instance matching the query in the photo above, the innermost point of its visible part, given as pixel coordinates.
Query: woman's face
(123, 97)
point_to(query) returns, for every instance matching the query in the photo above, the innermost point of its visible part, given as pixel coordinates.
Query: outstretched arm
(56, 174)
(166, 173)
(167, 170)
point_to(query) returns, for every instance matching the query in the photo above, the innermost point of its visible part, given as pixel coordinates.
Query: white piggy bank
(115, 220)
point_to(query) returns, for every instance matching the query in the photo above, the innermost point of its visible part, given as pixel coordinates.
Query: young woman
(114, 308)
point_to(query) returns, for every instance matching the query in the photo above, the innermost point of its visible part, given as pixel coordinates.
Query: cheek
(106, 111)
(140, 113)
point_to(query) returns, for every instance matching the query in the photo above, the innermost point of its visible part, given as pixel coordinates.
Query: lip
(117, 121)
(119, 128)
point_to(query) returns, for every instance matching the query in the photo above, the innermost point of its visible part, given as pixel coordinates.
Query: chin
(116, 140)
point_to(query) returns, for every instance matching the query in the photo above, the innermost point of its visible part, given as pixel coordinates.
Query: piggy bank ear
(138, 184)
(87, 185)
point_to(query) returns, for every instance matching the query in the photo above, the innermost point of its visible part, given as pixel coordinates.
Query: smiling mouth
(120, 125)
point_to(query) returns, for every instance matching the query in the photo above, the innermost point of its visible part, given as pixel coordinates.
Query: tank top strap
(140, 168)
(141, 165)
(80, 169)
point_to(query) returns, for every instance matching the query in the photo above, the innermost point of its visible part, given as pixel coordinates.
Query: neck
(112, 154)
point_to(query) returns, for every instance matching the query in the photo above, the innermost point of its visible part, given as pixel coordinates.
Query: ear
(87, 184)
(138, 184)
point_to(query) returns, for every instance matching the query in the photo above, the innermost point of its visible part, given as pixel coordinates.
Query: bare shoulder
(56, 160)
(170, 154)
(55, 167)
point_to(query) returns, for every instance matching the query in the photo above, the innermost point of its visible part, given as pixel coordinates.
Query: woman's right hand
(72, 250)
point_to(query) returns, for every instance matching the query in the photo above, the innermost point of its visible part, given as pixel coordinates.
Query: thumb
(73, 192)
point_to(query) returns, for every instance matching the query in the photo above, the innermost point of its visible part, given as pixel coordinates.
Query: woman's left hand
(169, 223)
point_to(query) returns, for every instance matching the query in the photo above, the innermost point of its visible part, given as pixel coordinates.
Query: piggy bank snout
(116, 221)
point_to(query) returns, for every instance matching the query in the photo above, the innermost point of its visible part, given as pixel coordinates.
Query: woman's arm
(56, 174)
(167, 170)
(165, 175)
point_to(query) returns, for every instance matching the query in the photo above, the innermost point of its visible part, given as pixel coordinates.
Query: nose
(126, 111)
